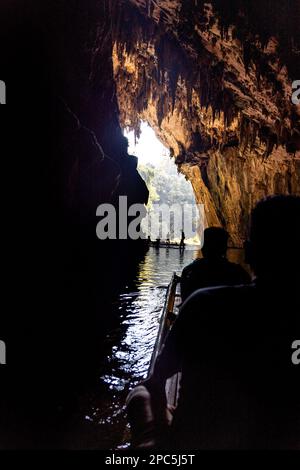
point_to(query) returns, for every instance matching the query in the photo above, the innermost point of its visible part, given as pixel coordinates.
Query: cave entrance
(165, 183)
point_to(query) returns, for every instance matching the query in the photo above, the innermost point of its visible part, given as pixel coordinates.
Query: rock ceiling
(217, 92)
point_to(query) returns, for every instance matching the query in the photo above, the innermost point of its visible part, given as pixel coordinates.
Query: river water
(129, 347)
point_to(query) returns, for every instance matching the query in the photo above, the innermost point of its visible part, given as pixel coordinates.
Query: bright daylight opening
(147, 148)
(166, 185)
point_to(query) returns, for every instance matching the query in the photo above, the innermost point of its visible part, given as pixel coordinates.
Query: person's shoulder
(217, 309)
(193, 264)
(198, 262)
(218, 297)
(232, 264)
(237, 268)
(223, 291)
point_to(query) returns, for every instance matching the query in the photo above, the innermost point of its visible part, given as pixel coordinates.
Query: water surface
(130, 344)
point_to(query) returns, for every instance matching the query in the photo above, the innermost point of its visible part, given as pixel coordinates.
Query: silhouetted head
(215, 242)
(273, 249)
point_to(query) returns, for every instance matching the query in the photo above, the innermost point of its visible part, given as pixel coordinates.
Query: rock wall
(63, 154)
(217, 91)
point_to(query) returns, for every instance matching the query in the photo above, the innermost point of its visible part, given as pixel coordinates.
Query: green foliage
(147, 172)
(165, 184)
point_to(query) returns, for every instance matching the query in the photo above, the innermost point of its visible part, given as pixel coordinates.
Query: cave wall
(62, 155)
(81, 48)
(56, 58)
(216, 88)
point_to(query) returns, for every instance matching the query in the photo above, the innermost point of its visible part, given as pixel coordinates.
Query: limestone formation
(217, 90)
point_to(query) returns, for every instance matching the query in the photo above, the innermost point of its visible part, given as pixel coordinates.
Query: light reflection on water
(130, 345)
(141, 312)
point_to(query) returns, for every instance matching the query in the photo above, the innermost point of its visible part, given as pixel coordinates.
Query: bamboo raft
(167, 245)
(138, 413)
(169, 314)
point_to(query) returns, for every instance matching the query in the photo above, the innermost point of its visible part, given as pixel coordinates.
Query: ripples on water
(130, 345)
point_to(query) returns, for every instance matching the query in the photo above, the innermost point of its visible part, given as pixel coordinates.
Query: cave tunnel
(216, 86)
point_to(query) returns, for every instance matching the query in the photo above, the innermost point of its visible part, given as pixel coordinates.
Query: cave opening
(166, 184)
(216, 86)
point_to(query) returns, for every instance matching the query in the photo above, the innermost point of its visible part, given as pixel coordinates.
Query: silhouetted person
(233, 345)
(182, 240)
(213, 269)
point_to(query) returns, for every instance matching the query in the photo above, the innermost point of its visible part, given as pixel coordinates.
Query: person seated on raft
(213, 269)
(240, 388)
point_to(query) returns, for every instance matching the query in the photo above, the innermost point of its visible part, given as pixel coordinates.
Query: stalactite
(170, 75)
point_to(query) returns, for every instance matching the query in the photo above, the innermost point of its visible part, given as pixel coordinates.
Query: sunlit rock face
(216, 87)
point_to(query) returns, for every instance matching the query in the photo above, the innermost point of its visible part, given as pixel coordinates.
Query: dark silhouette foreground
(239, 387)
(213, 269)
